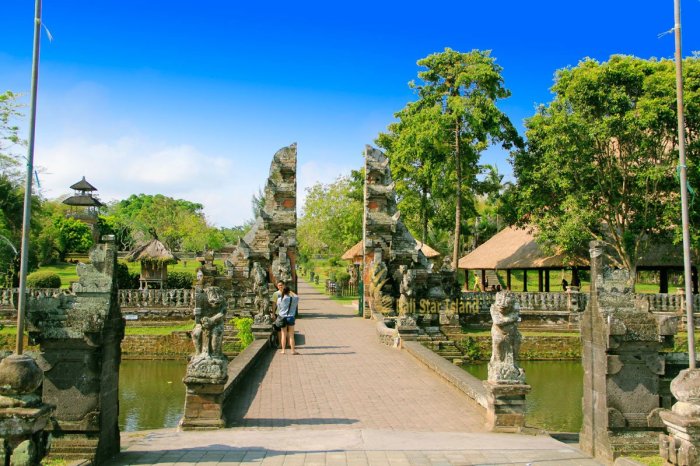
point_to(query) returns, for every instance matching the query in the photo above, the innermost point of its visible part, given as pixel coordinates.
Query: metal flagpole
(24, 254)
(684, 190)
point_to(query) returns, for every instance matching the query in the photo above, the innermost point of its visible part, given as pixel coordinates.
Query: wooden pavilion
(516, 249)
(154, 258)
(354, 254)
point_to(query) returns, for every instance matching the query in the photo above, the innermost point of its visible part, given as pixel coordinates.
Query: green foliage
(601, 157)
(331, 220)
(472, 350)
(61, 235)
(342, 277)
(245, 333)
(435, 146)
(43, 279)
(180, 280)
(126, 280)
(179, 224)
(152, 330)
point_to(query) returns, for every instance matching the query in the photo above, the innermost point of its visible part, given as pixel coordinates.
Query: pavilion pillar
(575, 281)
(546, 281)
(525, 280)
(540, 283)
(663, 280)
(508, 279)
(483, 279)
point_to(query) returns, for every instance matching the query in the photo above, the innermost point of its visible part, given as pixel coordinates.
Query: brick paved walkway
(346, 399)
(344, 378)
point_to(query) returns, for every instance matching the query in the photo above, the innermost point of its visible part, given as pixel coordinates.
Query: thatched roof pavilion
(516, 249)
(354, 254)
(154, 258)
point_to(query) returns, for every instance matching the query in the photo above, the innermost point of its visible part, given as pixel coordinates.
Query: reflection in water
(151, 394)
(554, 404)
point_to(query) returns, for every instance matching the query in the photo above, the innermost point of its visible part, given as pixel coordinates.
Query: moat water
(152, 395)
(554, 404)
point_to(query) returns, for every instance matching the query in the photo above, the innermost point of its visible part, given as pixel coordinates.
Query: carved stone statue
(282, 267)
(406, 305)
(381, 301)
(208, 365)
(260, 289)
(503, 367)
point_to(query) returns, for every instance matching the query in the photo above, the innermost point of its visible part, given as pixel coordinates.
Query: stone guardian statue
(505, 337)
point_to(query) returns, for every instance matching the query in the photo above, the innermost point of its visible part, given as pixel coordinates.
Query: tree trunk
(458, 203)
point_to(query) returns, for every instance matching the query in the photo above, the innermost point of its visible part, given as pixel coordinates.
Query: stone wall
(532, 347)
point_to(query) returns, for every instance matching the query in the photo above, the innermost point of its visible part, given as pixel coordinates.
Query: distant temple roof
(83, 196)
(83, 201)
(83, 185)
(356, 251)
(152, 251)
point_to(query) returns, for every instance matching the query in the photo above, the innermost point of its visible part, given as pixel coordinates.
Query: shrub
(126, 280)
(179, 280)
(342, 277)
(43, 279)
(472, 350)
(245, 333)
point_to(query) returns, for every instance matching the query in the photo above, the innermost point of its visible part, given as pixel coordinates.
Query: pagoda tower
(84, 205)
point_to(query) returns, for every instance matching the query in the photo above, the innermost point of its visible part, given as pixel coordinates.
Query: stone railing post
(207, 371)
(680, 447)
(23, 416)
(505, 386)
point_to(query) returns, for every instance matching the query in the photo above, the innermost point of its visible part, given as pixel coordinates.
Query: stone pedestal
(24, 440)
(203, 406)
(506, 406)
(680, 446)
(261, 330)
(407, 328)
(23, 417)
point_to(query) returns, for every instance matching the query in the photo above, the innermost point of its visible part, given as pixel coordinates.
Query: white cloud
(133, 165)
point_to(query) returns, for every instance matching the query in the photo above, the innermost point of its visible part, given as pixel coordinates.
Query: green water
(554, 404)
(151, 394)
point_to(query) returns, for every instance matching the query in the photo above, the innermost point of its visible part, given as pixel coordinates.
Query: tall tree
(179, 224)
(442, 134)
(331, 219)
(601, 157)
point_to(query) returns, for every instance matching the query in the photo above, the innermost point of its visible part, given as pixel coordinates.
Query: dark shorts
(289, 320)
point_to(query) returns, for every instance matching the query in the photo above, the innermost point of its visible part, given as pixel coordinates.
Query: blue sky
(192, 99)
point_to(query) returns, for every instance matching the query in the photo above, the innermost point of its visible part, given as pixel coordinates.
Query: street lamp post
(24, 254)
(684, 190)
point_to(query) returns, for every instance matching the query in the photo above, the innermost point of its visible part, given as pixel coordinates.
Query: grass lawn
(67, 272)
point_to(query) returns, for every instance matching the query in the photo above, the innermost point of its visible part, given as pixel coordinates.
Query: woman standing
(286, 312)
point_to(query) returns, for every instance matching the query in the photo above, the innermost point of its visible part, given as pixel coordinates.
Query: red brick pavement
(344, 378)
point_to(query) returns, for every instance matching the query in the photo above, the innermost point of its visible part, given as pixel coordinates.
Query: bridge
(345, 399)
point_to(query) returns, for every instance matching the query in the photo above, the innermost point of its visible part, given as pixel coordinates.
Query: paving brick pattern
(345, 400)
(344, 378)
